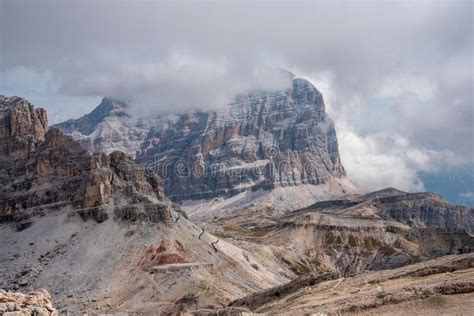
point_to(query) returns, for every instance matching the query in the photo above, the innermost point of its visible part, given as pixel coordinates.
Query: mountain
(98, 232)
(382, 230)
(109, 127)
(94, 228)
(262, 141)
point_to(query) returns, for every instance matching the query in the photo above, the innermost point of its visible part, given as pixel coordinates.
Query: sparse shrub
(387, 249)
(329, 237)
(255, 266)
(352, 241)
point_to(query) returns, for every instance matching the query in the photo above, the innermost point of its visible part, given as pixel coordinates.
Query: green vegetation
(371, 243)
(329, 237)
(352, 241)
(255, 232)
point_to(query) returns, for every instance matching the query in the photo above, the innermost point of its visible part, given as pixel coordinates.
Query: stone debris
(36, 303)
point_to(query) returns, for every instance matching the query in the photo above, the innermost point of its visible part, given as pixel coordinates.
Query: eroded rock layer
(46, 169)
(262, 140)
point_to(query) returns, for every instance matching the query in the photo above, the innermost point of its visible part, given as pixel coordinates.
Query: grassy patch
(255, 232)
(352, 241)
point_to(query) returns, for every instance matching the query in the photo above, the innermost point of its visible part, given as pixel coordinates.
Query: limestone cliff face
(22, 126)
(43, 168)
(262, 140)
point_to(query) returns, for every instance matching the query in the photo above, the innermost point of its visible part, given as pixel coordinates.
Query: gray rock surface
(262, 140)
(43, 168)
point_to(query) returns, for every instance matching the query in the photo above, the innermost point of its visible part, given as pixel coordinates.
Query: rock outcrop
(33, 304)
(43, 168)
(22, 126)
(262, 140)
(382, 230)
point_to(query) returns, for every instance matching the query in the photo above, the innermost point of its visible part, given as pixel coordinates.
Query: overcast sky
(396, 76)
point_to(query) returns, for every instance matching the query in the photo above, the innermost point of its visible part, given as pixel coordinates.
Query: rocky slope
(261, 141)
(441, 286)
(381, 230)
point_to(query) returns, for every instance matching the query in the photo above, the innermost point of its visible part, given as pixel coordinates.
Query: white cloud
(372, 167)
(467, 195)
(379, 159)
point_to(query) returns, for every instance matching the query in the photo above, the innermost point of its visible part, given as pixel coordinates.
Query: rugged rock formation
(92, 228)
(22, 126)
(417, 210)
(262, 140)
(42, 169)
(33, 304)
(381, 230)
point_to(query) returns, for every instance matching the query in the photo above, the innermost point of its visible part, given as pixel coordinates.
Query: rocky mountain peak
(262, 140)
(108, 108)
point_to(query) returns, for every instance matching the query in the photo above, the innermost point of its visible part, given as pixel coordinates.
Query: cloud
(378, 161)
(467, 195)
(396, 73)
(383, 154)
(181, 80)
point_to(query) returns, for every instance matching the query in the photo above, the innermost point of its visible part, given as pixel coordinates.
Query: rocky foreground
(33, 304)
(440, 286)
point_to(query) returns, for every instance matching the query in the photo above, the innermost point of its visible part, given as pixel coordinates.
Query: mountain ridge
(262, 140)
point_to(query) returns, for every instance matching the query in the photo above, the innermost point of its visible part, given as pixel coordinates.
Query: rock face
(42, 169)
(417, 210)
(262, 140)
(382, 230)
(22, 126)
(35, 303)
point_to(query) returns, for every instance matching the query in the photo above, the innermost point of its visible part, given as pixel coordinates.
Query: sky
(396, 76)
